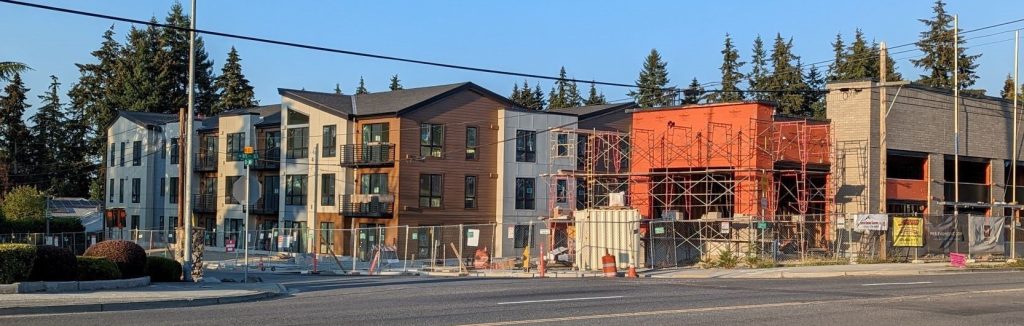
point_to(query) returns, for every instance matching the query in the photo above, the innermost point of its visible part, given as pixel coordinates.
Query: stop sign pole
(248, 156)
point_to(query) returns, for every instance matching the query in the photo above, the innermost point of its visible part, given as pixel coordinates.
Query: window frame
(368, 132)
(172, 192)
(136, 190)
(526, 146)
(113, 154)
(327, 198)
(296, 199)
(120, 194)
(470, 197)
(330, 142)
(368, 180)
(431, 146)
(526, 193)
(292, 151)
(229, 189)
(111, 189)
(433, 182)
(473, 150)
(122, 152)
(562, 145)
(174, 150)
(522, 236)
(562, 191)
(236, 143)
(137, 153)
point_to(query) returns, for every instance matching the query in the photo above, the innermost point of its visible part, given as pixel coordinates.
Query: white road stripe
(566, 299)
(898, 283)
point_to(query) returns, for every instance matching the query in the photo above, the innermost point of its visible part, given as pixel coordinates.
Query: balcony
(204, 163)
(969, 192)
(269, 159)
(375, 206)
(265, 206)
(364, 155)
(204, 203)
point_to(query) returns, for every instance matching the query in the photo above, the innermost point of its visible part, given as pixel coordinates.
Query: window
(581, 194)
(431, 140)
(113, 149)
(326, 237)
(136, 153)
(120, 191)
(298, 143)
(327, 189)
(163, 187)
(236, 141)
(174, 150)
(173, 190)
(110, 190)
(295, 190)
(430, 190)
(524, 193)
(470, 201)
(135, 222)
(523, 235)
(122, 153)
(562, 148)
(526, 146)
(471, 143)
(373, 184)
(229, 189)
(136, 189)
(330, 145)
(562, 191)
(375, 133)
(296, 118)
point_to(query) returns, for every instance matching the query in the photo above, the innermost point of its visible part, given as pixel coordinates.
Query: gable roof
(591, 110)
(148, 118)
(391, 102)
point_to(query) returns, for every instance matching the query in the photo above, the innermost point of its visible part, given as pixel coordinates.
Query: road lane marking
(755, 306)
(566, 299)
(896, 283)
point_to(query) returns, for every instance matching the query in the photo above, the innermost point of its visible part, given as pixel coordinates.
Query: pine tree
(693, 93)
(861, 60)
(94, 98)
(137, 72)
(839, 61)
(48, 134)
(395, 83)
(362, 87)
(564, 93)
(937, 45)
(173, 62)
(758, 70)
(533, 99)
(890, 65)
(1008, 86)
(516, 96)
(731, 75)
(9, 68)
(595, 98)
(234, 91)
(814, 98)
(15, 140)
(652, 82)
(785, 83)
(337, 89)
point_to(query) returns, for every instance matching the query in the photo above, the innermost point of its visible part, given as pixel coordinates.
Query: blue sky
(602, 40)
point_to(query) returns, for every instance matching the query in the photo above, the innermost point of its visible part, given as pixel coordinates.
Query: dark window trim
(526, 146)
(430, 195)
(470, 202)
(431, 147)
(475, 149)
(524, 201)
(330, 143)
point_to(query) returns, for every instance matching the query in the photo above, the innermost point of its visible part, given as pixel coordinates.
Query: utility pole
(312, 218)
(187, 177)
(1013, 189)
(883, 99)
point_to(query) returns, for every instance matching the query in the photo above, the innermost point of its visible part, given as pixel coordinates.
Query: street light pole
(187, 218)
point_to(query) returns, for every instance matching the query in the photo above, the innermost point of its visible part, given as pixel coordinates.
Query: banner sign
(472, 237)
(871, 222)
(986, 234)
(945, 234)
(907, 231)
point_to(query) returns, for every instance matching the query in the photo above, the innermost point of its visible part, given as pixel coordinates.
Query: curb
(144, 305)
(802, 275)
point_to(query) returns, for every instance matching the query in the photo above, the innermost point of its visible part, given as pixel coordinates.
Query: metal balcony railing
(205, 162)
(204, 203)
(356, 155)
(367, 205)
(267, 206)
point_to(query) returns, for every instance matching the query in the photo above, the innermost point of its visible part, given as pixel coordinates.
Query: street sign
(238, 190)
(762, 225)
(229, 245)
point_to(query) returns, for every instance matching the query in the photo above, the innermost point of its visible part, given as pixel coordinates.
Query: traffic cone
(632, 272)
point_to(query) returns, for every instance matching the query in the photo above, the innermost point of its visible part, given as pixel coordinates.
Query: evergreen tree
(595, 98)
(362, 87)
(564, 93)
(49, 134)
(234, 89)
(15, 139)
(337, 89)
(814, 98)
(173, 62)
(693, 93)
(758, 70)
(137, 72)
(839, 61)
(1008, 86)
(731, 76)
(93, 96)
(534, 99)
(937, 45)
(516, 96)
(785, 83)
(395, 83)
(9, 68)
(890, 66)
(652, 82)
(861, 60)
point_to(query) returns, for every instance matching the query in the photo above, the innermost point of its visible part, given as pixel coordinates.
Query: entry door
(368, 239)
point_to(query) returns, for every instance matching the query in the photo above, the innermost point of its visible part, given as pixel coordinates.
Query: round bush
(129, 257)
(162, 269)
(16, 262)
(54, 264)
(97, 269)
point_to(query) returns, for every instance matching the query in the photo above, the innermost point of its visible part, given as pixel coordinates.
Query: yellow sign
(907, 231)
(247, 150)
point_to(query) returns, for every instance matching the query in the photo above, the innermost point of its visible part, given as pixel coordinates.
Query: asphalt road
(960, 299)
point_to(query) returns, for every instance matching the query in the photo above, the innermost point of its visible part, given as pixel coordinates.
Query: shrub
(129, 257)
(726, 259)
(57, 225)
(97, 269)
(24, 203)
(54, 264)
(760, 262)
(16, 262)
(162, 269)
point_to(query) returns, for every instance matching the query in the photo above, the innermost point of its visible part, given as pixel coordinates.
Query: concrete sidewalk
(156, 296)
(812, 271)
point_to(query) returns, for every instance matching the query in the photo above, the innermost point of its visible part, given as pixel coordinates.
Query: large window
(327, 189)
(113, 149)
(430, 190)
(173, 191)
(295, 190)
(174, 150)
(229, 189)
(137, 153)
(120, 191)
(163, 149)
(526, 146)
(375, 133)
(298, 143)
(163, 187)
(523, 235)
(562, 148)
(136, 190)
(296, 118)
(122, 153)
(110, 190)
(471, 143)
(373, 184)
(431, 140)
(330, 142)
(236, 141)
(470, 201)
(525, 193)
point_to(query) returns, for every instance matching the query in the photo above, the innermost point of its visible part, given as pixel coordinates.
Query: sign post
(248, 157)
